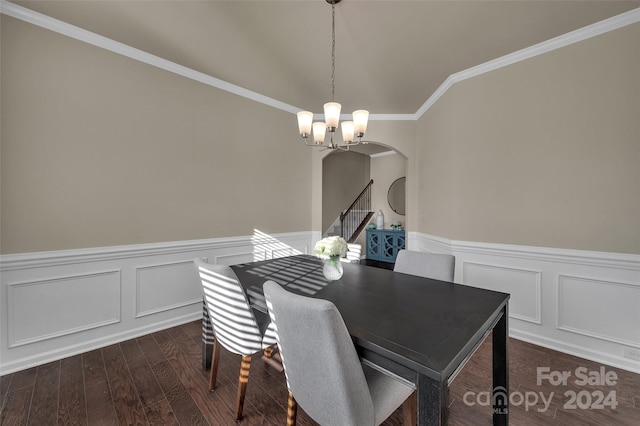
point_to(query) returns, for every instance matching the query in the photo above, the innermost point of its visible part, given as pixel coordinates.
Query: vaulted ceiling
(390, 55)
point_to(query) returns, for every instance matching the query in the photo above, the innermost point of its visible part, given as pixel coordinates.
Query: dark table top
(426, 325)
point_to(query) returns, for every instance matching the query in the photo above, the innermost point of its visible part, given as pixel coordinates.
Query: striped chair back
(234, 323)
(353, 255)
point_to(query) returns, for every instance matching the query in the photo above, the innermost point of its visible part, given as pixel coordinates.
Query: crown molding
(47, 22)
(393, 117)
(60, 27)
(610, 24)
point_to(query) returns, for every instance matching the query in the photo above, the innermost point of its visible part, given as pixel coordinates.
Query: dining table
(418, 329)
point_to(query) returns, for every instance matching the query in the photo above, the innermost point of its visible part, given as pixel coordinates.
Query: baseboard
(37, 359)
(578, 351)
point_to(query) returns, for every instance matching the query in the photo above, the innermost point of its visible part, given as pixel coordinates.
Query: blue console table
(384, 244)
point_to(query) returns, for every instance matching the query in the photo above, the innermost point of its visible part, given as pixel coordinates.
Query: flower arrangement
(331, 248)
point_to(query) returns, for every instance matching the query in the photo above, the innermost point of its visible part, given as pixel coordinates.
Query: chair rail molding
(583, 303)
(61, 303)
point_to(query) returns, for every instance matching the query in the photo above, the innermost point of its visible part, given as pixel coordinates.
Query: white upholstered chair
(429, 265)
(235, 325)
(323, 371)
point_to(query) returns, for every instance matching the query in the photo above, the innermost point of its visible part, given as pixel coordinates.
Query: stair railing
(353, 217)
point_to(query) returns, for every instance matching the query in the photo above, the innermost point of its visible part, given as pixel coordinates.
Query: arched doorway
(346, 173)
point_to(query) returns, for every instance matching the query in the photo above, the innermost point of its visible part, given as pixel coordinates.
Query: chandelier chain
(333, 50)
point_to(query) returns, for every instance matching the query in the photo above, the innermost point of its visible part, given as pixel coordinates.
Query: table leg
(432, 399)
(501, 369)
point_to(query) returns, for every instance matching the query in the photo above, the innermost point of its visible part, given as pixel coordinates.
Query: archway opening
(346, 173)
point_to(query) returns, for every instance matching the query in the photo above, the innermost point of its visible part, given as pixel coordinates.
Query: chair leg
(215, 358)
(292, 410)
(242, 385)
(207, 350)
(410, 411)
(270, 356)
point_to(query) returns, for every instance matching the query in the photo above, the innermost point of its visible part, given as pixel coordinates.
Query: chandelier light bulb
(319, 130)
(347, 131)
(304, 123)
(332, 115)
(360, 119)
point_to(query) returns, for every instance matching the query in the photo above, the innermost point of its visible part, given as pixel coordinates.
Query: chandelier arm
(318, 145)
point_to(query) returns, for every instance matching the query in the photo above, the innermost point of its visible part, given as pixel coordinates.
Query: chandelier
(352, 131)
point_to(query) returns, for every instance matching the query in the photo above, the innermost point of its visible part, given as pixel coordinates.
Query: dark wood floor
(158, 379)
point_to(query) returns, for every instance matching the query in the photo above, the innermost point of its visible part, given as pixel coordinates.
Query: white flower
(330, 247)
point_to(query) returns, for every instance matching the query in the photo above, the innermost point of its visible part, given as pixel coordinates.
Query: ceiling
(390, 55)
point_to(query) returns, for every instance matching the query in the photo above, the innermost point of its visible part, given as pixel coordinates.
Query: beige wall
(544, 152)
(434, 177)
(101, 150)
(384, 171)
(98, 150)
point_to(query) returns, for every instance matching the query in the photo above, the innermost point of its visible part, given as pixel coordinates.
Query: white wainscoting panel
(166, 286)
(57, 304)
(522, 284)
(579, 302)
(585, 307)
(48, 308)
(236, 258)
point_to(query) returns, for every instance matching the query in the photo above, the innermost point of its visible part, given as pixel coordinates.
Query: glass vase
(332, 269)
